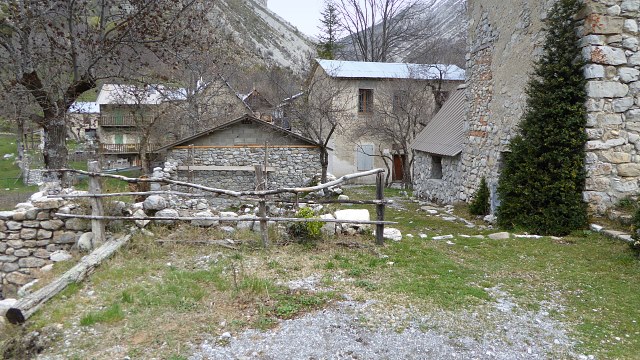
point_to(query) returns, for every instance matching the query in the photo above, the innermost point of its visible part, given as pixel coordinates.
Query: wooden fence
(261, 196)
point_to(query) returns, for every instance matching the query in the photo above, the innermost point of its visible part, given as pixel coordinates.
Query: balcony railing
(119, 148)
(117, 120)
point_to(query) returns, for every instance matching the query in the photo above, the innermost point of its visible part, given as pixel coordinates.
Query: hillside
(259, 37)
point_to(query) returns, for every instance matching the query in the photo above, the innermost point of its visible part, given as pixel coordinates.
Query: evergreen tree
(480, 204)
(544, 175)
(330, 30)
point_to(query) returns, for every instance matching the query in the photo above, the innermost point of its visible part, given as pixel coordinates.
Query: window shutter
(364, 160)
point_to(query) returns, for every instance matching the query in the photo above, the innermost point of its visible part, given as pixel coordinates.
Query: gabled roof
(127, 94)
(245, 117)
(444, 134)
(84, 107)
(377, 70)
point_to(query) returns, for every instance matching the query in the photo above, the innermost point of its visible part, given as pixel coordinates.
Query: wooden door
(398, 164)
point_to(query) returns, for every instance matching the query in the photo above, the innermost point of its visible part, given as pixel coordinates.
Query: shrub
(306, 231)
(636, 231)
(480, 204)
(541, 185)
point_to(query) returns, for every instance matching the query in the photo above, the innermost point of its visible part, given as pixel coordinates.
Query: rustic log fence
(23, 309)
(260, 195)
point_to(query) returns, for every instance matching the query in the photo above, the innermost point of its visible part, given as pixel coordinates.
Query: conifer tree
(541, 185)
(330, 30)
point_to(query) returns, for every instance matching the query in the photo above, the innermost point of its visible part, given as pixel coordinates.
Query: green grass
(596, 281)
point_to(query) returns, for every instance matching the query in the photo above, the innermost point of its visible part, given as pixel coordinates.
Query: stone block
(32, 214)
(8, 258)
(628, 75)
(204, 222)
(592, 40)
(77, 224)
(606, 55)
(31, 262)
(597, 183)
(167, 213)
(600, 169)
(633, 115)
(593, 71)
(47, 204)
(20, 215)
(629, 170)
(18, 278)
(43, 215)
(28, 234)
(630, 25)
(625, 186)
(606, 89)
(6, 215)
(31, 224)
(64, 237)
(13, 225)
(54, 224)
(9, 267)
(29, 243)
(16, 244)
(22, 253)
(604, 145)
(630, 43)
(596, 23)
(617, 157)
(44, 234)
(13, 236)
(630, 5)
(41, 253)
(623, 104)
(155, 203)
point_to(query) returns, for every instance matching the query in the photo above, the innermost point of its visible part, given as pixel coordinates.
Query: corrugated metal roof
(376, 70)
(123, 94)
(84, 107)
(444, 134)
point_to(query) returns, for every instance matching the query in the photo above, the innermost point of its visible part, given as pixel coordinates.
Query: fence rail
(117, 120)
(119, 148)
(98, 217)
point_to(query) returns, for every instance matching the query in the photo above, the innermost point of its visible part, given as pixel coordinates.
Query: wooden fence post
(380, 209)
(262, 207)
(97, 209)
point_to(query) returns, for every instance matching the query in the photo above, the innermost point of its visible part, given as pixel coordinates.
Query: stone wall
(505, 38)
(610, 46)
(293, 166)
(435, 190)
(30, 235)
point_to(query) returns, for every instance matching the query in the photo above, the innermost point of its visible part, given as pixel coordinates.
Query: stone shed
(225, 156)
(437, 151)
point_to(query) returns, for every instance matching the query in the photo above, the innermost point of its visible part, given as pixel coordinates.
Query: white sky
(303, 14)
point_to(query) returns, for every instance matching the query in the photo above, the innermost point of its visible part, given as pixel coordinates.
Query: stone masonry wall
(293, 166)
(435, 190)
(610, 46)
(30, 235)
(505, 39)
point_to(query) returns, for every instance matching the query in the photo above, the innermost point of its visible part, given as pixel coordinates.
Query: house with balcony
(137, 120)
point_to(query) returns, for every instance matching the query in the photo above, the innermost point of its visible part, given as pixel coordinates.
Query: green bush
(636, 231)
(306, 231)
(541, 185)
(480, 204)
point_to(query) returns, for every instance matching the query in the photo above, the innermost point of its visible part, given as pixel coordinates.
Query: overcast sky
(303, 14)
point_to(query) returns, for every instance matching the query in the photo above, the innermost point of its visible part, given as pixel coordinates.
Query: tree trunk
(324, 162)
(55, 143)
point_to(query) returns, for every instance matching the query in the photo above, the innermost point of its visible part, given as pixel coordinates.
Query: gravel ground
(369, 330)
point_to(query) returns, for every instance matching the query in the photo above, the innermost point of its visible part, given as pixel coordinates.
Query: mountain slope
(257, 36)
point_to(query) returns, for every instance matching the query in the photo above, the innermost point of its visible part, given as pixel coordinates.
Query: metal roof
(377, 70)
(444, 134)
(125, 94)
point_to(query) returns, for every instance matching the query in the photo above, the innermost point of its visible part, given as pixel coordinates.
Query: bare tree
(403, 108)
(321, 110)
(52, 51)
(378, 28)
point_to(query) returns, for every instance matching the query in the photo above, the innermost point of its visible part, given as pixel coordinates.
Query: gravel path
(369, 330)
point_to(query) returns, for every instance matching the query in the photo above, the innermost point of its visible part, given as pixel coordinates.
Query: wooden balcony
(119, 148)
(117, 121)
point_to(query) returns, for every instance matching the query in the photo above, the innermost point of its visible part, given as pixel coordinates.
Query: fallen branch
(140, 193)
(28, 305)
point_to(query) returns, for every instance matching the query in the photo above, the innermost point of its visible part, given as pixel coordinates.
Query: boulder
(353, 214)
(155, 203)
(343, 198)
(140, 214)
(246, 225)
(6, 304)
(77, 224)
(228, 229)
(443, 237)
(167, 213)
(329, 228)
(204, 222)
(392, 234)
(85, 243)
(500, 236)
(60, 255)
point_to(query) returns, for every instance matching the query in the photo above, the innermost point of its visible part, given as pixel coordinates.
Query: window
(400, 101)
(365, 101)
(364, 157)
(436, 167)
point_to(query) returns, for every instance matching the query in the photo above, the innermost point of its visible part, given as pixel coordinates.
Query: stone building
(369, 91)
(225, 156)
(505, 38)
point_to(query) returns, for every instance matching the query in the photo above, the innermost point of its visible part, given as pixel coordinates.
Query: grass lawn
(153, 299)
